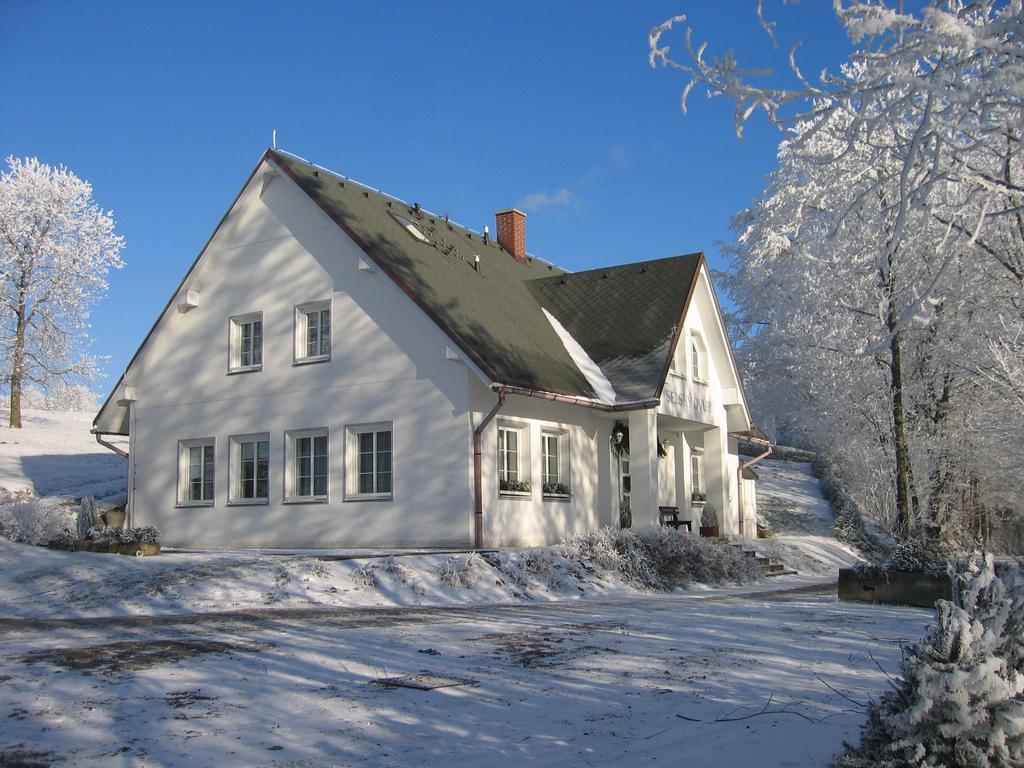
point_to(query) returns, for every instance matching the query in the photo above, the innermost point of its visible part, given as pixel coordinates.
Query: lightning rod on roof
(273, 138)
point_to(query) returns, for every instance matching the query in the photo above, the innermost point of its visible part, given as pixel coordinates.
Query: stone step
(767, 565)
(783, 572)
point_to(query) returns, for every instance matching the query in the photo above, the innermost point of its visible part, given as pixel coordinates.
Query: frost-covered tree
(959, 702)
(879, 278)
(56, 247)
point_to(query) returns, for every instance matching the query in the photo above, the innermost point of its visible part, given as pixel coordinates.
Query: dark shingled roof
(624, 317)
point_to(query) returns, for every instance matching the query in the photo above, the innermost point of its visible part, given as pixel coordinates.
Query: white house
(340, 368)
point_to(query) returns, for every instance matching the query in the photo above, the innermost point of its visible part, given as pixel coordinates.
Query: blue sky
(465, 107)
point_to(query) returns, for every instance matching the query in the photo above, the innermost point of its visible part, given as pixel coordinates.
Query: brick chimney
(512, 232)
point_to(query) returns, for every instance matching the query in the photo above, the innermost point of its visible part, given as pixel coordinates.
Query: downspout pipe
(478, 471)
(111, 446)
(739, 478)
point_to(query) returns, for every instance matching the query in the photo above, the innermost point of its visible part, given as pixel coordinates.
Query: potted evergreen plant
(709, 522)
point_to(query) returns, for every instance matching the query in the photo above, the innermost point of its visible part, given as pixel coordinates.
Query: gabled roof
(625, 317)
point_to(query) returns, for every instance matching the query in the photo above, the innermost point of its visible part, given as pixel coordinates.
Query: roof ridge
(411, 206)
(584, 273)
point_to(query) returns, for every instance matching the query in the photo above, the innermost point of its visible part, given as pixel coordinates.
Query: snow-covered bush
(917, 555)
(86, 517)
(850, 527)
(27, 519)
(659, 558)
(460, 571)
(364, 576)
(960, 700)
(107, 535)
(930, 557)
(64, 541)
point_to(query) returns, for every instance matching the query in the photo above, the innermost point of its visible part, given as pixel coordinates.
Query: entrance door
(625, 487)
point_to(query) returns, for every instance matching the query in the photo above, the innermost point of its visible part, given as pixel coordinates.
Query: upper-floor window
(313, 332)
(698, 358)
(246, 341)
(196, 461)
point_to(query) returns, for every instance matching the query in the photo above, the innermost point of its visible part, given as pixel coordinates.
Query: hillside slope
(791, 504)
(54, 454)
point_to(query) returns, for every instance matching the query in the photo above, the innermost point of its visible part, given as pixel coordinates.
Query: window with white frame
(698, 358)
(306, 465)
(370, 461)
(250, 469)
(697, 490)
(313, 332)
(555, 463)
(196, 468)
(513, 458)
(246, 342)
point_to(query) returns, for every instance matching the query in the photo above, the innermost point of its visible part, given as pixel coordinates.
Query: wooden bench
(670, 516)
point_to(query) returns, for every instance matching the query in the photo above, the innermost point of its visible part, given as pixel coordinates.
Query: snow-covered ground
(555, 664)
(790, 503)
(720, 681)
(55, 455)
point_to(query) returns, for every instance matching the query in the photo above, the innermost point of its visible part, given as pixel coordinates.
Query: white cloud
(535, 201)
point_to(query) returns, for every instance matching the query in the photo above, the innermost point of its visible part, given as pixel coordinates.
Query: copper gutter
(111, 446)
(478, 483)
(636, 405)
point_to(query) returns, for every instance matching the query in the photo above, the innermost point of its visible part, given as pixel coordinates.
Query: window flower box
(514, 487)
(698, 498)
(557, 491)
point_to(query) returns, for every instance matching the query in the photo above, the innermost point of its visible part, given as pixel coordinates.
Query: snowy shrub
(594, 548)
(27, 519)
(659, 558)
(86, 517)
(406, 575)
(509, 568)
(364, 576)
(111, 536)
(960, 700)
(849, 520)
(919, 556)
(63, 541)
(708, 517)
(916, 556)
(460, 572)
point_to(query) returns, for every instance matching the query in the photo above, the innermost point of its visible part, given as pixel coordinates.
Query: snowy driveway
(591, 682)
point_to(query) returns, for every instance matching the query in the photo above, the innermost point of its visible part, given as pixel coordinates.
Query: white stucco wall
(276, 250)
(388, 364)
(533, 520)
(699, 409)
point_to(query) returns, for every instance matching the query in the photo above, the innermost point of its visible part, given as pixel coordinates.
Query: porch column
(682, 458)
(716, 477)
(643, 467)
